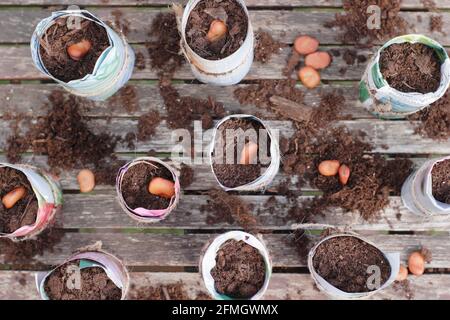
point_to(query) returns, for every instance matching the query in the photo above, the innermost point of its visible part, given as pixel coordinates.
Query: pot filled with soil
(148, 189)
(87, 275)
(244, 153)
(30, 200)
(217, 40)
(236, 265)
(407, 74)
(346, 266)
(82, 54)
(427, 190)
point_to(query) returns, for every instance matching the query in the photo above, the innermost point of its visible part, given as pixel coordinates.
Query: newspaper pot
(332, 291)
(378, 97)
(266, 178)
(417, 191)
(142, 214)
(49, 196)
(112, 69)
(208, 262)
(113, 267)
(224, 72)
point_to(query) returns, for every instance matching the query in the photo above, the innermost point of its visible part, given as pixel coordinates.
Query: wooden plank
(20, 285)
(386, 136)
(16, 98)
(103, 211)
(171, 250)
(19, 23)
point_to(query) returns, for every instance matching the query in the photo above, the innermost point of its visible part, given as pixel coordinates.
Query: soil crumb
(411, 67)
(343, 262)
(175, 291)
(186, 175)
(440, 176)
(405, 288)
(239, 271)
(266, 46)
(147, 125)
(125, 98)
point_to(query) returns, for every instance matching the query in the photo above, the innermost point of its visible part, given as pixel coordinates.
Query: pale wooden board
(20, 285)
(170, 250)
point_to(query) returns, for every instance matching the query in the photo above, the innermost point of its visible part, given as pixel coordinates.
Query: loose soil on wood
(186, 175)
(175, 291)
(147, 125)
(411, 67)
(95, 284)
(135, 186)
(24, 212)
(440, 177)
(240, 270)
(228, 11)
(343, 262)
(266, 46)
(59, 37)
(234, 175)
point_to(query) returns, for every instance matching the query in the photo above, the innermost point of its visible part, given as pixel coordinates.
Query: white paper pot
(112, 69)
(113, 267)
(49, 196)
(224, 72)
(335, 293)
(143, 214)
(208, 262)
(267, 177)
(417, 191)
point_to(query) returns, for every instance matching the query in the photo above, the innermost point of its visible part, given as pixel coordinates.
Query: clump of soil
(106, 172)
(437, 24)
(183, 110)
(175, 291)
(59, 37)
(147, 125)
(302, 243)
(135, 186)
(186, 175)
(140, 61)
(224, 207)
(411, 67)
(164, 45)
(126, 98)
(266, 46)
(343, 262)
(205, 12)
(122, 24)
(440, 177)
(95, 284)
(353, 22)
(404, 287)
(240, 270)
(24, 212)
(235, 174)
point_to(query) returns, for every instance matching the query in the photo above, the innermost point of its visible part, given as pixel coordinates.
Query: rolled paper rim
(142, 214)
(208, 261)
(264, 180)
(328, 288)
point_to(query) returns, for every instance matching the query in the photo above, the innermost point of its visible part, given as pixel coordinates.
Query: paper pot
(142, 214)
(113, 267)
(208, 261)
(224, 72)
(417, 191)
(49, 196)
(266, 178)
(378, 97)
(332, 291)
(112, 69)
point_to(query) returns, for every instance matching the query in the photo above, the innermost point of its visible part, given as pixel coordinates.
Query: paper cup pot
(49, 201)
(83, 260)
(143, 214)
(417, 191)
(223, 72)
(112, 69)
(378, 97)
(393, 260)
(218, 157)
(208, 262)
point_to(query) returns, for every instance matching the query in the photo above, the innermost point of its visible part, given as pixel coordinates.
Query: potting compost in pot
(441, 181)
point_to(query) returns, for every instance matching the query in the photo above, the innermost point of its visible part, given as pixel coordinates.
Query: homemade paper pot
(417, 191)
(142, 214)
(224, 72)
(208, 261)
(112, 69)
(332, 291)
(266, 178)
(379, 98)
(49, 197)
(113, 267)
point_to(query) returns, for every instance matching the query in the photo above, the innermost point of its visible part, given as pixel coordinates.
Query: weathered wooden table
(168, 252)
